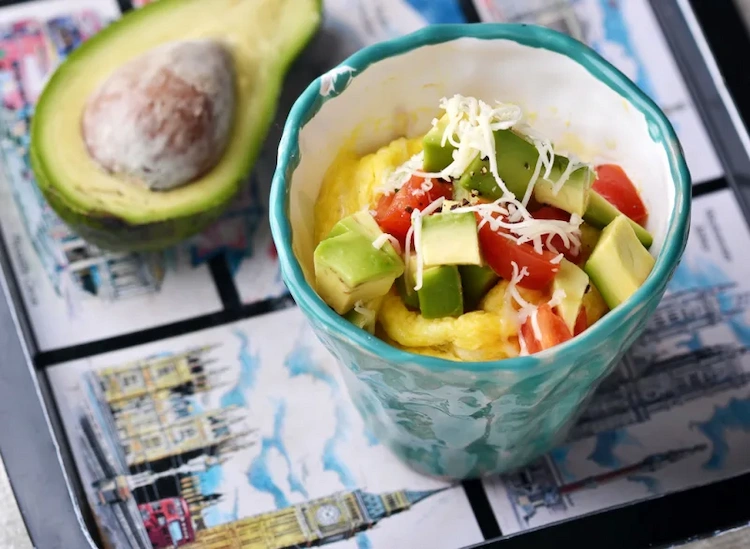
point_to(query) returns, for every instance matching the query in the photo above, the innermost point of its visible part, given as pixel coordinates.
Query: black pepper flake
(526, 165)
(454, 206)
(409, 209)
(465, 202)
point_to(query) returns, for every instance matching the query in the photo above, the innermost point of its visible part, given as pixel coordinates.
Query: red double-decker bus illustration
(167, 522)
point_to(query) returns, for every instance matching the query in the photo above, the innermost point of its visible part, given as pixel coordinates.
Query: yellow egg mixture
(350, 185)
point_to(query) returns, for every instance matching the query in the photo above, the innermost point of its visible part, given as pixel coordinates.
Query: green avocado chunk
(363, 223)
(450, 239)
(348, 268)
(476, 281)
(436, 157)
(441, 294)
(573, 281)
(600, 213)
(405, 285)
(263, 37)
(516, 161)
(619, 263)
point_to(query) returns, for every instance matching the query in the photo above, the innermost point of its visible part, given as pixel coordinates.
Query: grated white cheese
(557, 259)
(522, 343)
(535, 324)
(426, 185)
(573, 165)
(380, 241)
(416, 229)
(527, 229)
(365, 311)
(397, 178)
(557, 297)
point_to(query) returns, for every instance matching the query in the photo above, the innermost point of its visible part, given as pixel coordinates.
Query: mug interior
(398, 96)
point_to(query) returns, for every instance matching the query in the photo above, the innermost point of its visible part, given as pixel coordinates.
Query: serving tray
(179, 398)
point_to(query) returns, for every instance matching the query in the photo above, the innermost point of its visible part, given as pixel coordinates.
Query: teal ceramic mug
(469, 419)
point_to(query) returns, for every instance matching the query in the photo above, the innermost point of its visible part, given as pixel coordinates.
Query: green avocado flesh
(450, 239)
(600, 213)
(476, 281)
(441, 294)
(574, 282)
(619, 263)
(349, 268)
(516, 160)
(263, 36)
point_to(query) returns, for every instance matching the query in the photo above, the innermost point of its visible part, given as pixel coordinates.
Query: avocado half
(264, 36)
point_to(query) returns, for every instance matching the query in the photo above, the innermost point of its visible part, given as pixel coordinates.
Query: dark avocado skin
(112, 233)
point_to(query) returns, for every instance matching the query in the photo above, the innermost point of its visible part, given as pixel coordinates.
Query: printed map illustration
(627, 34)
(676, 413)
(231, 432)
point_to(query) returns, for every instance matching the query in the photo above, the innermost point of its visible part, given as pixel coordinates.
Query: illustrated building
(685, 312)
(316, 522)
(628, 398)
(157, 421)
(75, 269)
(557, 14)
(540, 485)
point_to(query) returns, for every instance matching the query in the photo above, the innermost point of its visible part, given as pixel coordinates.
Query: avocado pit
(165, 118)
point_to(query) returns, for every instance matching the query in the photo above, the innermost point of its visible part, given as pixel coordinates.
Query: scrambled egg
(352, 184)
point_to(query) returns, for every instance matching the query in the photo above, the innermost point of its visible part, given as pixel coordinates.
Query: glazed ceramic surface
(467, 419)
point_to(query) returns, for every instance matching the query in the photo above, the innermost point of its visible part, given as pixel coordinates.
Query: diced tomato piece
(499, 252)
(553, 330)
(614, 184)
(581, 321)
(394, 211)
(550, 212)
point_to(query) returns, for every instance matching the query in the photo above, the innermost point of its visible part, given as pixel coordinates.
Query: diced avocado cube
(348, 268)
(619, 263)
(572, 280)
(516, 161)
(362, 223)
(441, 294)
(600, 213)
(405, 285)
(450, 239)
(476, 281)
(437, 157)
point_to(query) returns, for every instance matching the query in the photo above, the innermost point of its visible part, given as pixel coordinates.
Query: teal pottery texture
(471, 419)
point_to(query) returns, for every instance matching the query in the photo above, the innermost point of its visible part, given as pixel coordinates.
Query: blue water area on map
(210, 482)
(607, 442)
(259, 473)
(651, 483)
(439, 11)
(735, 416)
(249, 365)
(616, 30)
(301, 362)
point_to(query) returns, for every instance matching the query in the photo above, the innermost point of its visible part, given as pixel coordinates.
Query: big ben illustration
(313, 523)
